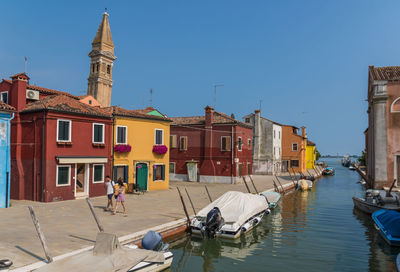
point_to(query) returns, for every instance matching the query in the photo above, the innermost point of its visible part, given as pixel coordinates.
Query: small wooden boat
(230, 215)
(387, 223)
(272, 198)
(376, 200)
(328, 171)
(351, 167)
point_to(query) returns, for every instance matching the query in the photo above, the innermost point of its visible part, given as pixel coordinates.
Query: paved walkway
(69, 225)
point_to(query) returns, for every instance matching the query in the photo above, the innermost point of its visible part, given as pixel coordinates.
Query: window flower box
(122, 148)
(160, 149)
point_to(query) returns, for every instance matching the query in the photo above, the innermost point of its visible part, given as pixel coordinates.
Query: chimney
(209, 116)
(303, 132)
(18, 91)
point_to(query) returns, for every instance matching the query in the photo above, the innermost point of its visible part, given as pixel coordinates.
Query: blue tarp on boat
(388, 222)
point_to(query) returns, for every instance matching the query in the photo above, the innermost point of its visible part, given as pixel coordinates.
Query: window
(63, 175)
(183, 143)
(225, 143)
(121, 134)
(294, 163)
(159, 172)
(172, 167)
(121, 172)
(240, 143)
(98, 133)
(63, 130)
(159, 137)
(93, 68)
(249, 142)
(108, 69)
(274, 150)
(294, 147)
(90, 101)
(4, 97)
(279, 133)
(97, 67)
(172, 141)
(247, 120)
(274, 134)
(98, 173)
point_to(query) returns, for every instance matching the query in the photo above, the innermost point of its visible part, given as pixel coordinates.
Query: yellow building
(140, 139)
(310, 155)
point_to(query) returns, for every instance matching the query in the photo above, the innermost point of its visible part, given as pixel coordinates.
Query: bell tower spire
(101, 64)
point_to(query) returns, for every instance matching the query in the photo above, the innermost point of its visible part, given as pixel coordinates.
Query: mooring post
(94, 215)
(190, 200)
(245, 183)
(40, 234)
(184, 208)
(252, 182)
(208, 193)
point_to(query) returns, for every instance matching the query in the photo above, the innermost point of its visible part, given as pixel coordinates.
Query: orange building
(293, 149)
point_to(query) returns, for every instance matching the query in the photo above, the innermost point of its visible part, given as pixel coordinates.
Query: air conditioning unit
(32, 95)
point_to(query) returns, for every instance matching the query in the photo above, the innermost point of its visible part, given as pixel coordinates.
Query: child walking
(120, 195)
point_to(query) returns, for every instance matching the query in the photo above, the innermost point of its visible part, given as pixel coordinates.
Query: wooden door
(80, 178)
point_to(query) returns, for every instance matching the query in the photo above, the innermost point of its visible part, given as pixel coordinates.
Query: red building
(210, 148)
(60, 147)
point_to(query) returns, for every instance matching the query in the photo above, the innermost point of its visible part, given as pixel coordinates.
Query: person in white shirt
(109, 185)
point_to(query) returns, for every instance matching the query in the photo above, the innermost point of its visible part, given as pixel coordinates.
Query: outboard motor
(213, 222)
(5, 264)
(153, 241)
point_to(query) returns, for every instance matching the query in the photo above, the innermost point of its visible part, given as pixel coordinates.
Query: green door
(141, 176)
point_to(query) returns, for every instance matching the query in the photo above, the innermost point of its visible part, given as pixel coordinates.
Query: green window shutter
(126, 173)
(163, 172)
(154, 173)
(115, 173)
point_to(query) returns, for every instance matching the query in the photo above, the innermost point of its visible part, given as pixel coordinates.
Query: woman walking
(120, 195)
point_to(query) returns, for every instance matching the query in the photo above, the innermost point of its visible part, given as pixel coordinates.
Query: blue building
(6, 114)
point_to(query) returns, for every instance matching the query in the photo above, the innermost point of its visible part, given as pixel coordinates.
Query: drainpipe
(8, 178)
(34, 180)
(232, 147)
(42, 160)
(112, 148)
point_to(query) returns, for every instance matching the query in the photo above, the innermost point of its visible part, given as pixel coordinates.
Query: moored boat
(328, 171)
(376, 200)
(304, 185)
(230, 215)
(272, 198)
(387, 223)
(108, 255)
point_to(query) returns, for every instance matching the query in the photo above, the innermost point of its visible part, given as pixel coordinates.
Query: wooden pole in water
(245, 183)
(184, 208)
(94, 215)
(191, 203)
(276, 187)
(292, 179)
(208, 193)
(294, 173)
(252, 182)
(283, 190)
(40, 234)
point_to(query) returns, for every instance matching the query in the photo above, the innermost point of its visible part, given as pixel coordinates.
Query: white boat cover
(236, 207)
(107, 256)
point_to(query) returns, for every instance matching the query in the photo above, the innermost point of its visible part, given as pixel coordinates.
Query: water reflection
(316, 230)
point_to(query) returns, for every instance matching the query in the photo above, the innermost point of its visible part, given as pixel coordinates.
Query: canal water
(309, 231)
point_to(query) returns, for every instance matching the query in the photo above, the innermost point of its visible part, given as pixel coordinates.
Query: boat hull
(251, 223)
(383, 230)
(147, 267)
(370, 208)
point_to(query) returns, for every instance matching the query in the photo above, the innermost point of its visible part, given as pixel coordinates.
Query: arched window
(97, 67)
(108, 69)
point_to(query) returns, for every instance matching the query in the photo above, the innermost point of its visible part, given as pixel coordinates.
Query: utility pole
(215, 92)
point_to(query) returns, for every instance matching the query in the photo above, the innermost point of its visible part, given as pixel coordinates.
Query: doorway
(192, 171)
(240, 170)
(81, 179)
(141, 176)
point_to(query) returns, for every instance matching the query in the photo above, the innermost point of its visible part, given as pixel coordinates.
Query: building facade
(213, 148)
(310, 155)
(6, 115)
(60, 147)
(267, 144)
(293, 149)
(141, 145)
(383, 133)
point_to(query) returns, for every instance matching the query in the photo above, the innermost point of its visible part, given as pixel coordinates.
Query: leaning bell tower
(101, 64)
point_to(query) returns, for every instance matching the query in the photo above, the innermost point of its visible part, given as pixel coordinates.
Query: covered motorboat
(230, 215)
(304, 185)
(272, 198)
(328, 171)
(108, 255)
(376, 200)
(388, 224)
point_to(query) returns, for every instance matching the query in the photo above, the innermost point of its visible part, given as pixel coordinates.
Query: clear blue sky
(306, 60)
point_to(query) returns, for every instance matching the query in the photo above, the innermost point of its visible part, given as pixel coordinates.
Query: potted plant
(122, 148)
(160, 149)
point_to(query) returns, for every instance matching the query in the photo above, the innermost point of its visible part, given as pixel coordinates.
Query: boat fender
(255, 221)
(5, 263)
(245, 227)
(267, 211)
